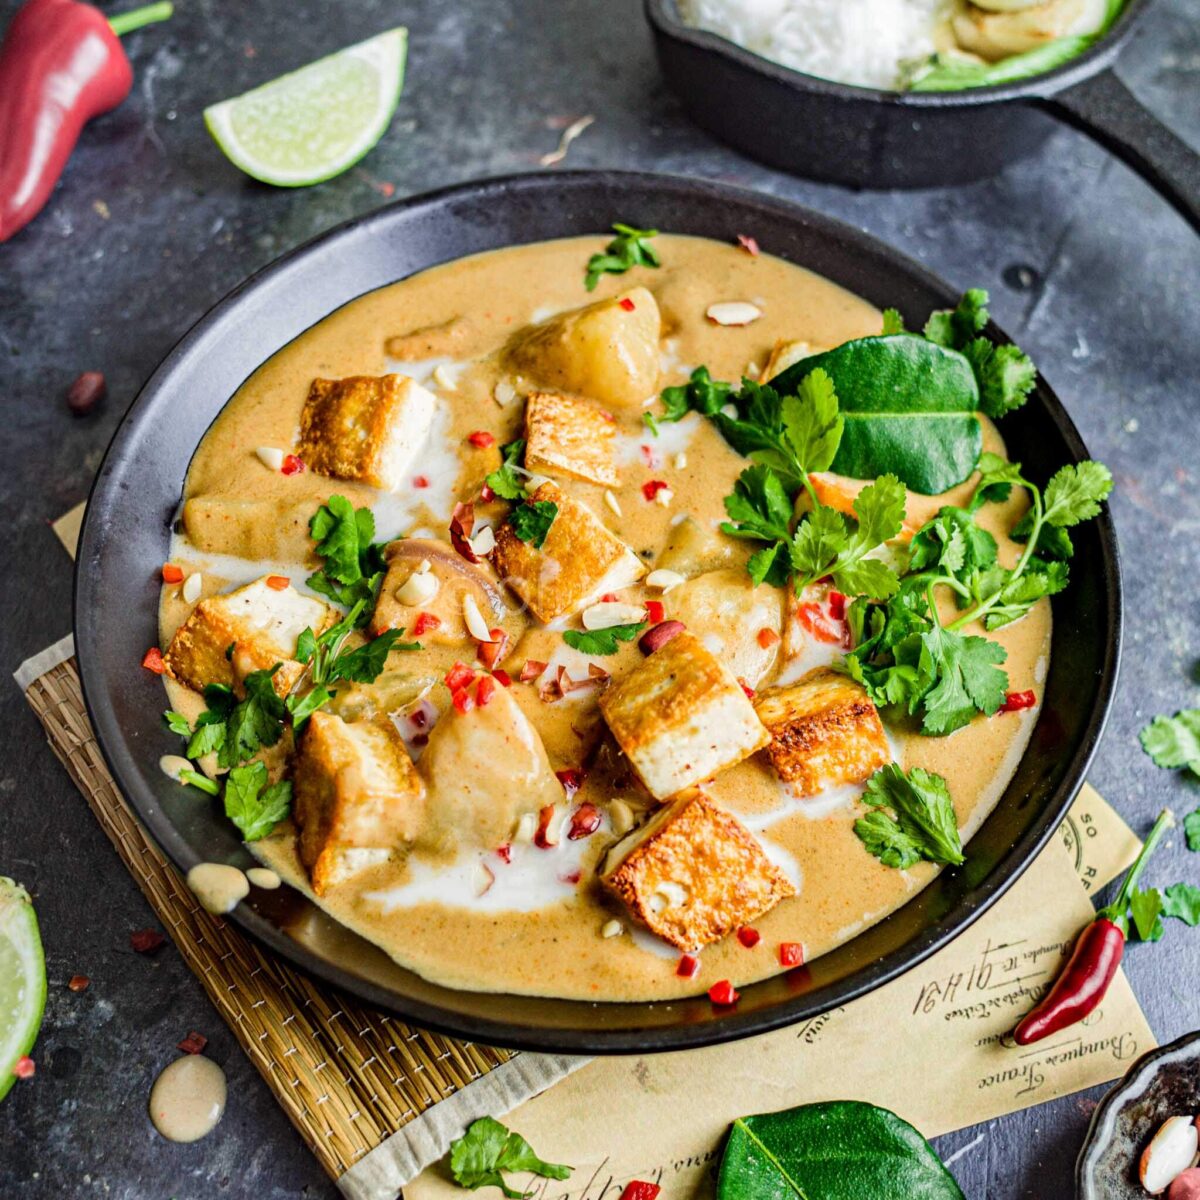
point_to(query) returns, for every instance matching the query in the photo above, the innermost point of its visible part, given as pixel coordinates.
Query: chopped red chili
(78, 983)
(459, 676)
(24, 1067)
(421, 481)
(152, 660)
(791, 954)
(571, 779)
(502, 677)
(482, 439)
(1015, 701)
(585, 820)
(542, 838)
(749, 244)
(749, 937)
(486, 494)
(724, 993)
(194, 1043)
(504, 852)
(145, 941)
(626, 304)
(292, 465)
(172, 573)
(655, 611)
(490, 653)
(652, 487)
(484, 690)
(767, 638)
(278, 583)
(750, 693)
(462, 701)
(424, 623)
(837, 606)
(639, 1189)
(820, 623)
(689, 967)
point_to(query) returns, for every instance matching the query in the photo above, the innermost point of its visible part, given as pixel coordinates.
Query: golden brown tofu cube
(579, 560)
(680, 717)
(569, 437)
(356, 797)
(824, 731)
(365, 427)
(694, 873)
(259, 622)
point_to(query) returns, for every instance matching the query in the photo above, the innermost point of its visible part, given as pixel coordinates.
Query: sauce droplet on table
(218, 887)
(188, 1098)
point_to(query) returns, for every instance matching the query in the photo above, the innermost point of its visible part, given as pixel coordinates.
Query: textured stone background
(151, 226)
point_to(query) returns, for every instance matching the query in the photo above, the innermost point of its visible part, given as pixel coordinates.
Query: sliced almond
(612, 929)
(733, 312)
(191, 587)
(271, 457)
(444, 378)
(482, 879)
(504, 392)
(526, 828)
(419, 588)
(608, 613)
(680, 461)
(611, 500)
(664, 579)
(483, 542)
(620, 817)
(477, 627)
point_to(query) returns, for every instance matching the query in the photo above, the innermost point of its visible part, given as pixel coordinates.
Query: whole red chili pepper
(61, 64)
(1095, 959)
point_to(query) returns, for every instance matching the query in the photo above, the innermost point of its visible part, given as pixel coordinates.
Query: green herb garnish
(1182, 901)
(531, 521)
(630, 248)
(479, 1158)
(254, 722)
(196, 780)
(251, 805)
(353, 567)
(912, 818)
(602, 641)
(177, 723)
(504, 481)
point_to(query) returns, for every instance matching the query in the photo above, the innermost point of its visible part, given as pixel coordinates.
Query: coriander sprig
(630, 248)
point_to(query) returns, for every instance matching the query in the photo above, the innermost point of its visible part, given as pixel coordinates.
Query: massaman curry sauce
(537, 930)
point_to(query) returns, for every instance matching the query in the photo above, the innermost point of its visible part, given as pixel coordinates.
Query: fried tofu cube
(824, 731)
(356, 797)
(259, 622)
(569, 437)
(365, 427)
(579, 561)
(694, 873)
(681, 716)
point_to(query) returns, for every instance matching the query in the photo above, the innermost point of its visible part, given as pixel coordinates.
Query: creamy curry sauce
(535, 930)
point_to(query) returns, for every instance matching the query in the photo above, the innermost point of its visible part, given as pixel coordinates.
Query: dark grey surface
(1087, 267)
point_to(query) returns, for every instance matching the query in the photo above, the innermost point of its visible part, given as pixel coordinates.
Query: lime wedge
(22, 979)
(312, 124)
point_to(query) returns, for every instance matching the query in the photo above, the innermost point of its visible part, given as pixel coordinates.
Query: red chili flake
(490, 653)
(504, 853)
(767, 638)
(723, 993)
(689, 967)
(749, 244)
(749, 937)
(609, 598)
(585, 820)
(791, 954)
(145, 941)
(652, 487)
(627, 304)
(639, 1189)
(24, 1067)
(531, 670)
(650, 456)
(746, 688)
(78, 983)
(424, 623)
(278, 583)
(194, 1043)
(482, 439)
(502, 677)
(571, 877)
(541, 839)
(1015, 701)
(462, 701)
(291, 465)
(655, 611)
(459, 676)
(571, 779)
(171, 573)
(486, 494)
(837, 606)
(484, 690)
(86, 392)
(152, 660)
(462, 521)
(420, 481)
(816, 619)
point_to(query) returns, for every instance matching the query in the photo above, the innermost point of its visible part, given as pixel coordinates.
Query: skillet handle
(1106, 110)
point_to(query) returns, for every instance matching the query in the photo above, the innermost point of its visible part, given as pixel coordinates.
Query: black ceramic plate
(1164, 1083)
(125, 537)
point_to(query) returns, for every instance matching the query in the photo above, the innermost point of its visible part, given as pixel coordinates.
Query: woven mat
(348, 1077)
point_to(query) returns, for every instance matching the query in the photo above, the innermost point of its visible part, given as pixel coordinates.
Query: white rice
(864, 42)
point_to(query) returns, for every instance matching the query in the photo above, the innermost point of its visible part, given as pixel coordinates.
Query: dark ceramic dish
(875, 139)
(125, 538)
(1164, 1083)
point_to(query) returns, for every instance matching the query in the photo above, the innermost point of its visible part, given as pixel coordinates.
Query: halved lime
(314, 123)
(22, 979)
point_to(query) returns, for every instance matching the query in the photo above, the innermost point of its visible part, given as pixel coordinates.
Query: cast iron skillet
(875, 139)
(125, 537)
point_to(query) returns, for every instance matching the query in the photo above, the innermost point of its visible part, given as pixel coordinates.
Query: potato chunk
(365, 427)
(824, 731)
(579, 560)
(680, 717)
(607, 350)
(260, 623)
(356, 797)
(694, 873)
(569, 437)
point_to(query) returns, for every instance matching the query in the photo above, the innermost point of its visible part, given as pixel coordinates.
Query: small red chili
(278, 583)
(146, 940)
(459, 676)
(749, 937)
(1015, 701)
(1094, 961)
(153, 661)
(652, 487)
(61, 63)
(689, 967)
(820, 623)
(484, 690)
(171, 573)
(462, 701)
(639, 1189)
(655, 611)
(837, 606)
(627, 304)
(502, 677)
(791, 954)
(421, 481)
(481, 439)
(292, 465)
(424, 623)
(724, 993)
(194, 1043)
(24, 1067)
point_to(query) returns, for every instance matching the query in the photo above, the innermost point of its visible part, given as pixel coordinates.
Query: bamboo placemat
(347, 1077)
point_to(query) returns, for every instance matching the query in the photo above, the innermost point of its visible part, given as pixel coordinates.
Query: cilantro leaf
(1075, 492)
(770, 565)
(1005, 374)
(957, 326)
(921, 824)
(255, 722)
(966, 678)
(997, 477)
(759, 507)
(252, 806)
(353, 563)
(1146, 907)
(1182, 901)
(630, 248)
(208, 736)
(602, 641)
(504, 481)
(952, 543)
(811, 422)
(701, 393)
(177, 723)
(1191, 829)
(1019, 594)
(893, 322)
(531, 521)
(1174, 742)
(365, 664)
(819, 538)
(487, 1149)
